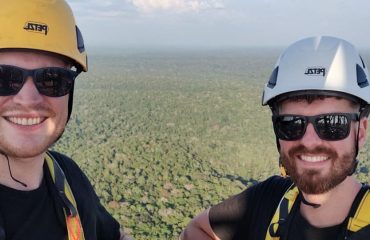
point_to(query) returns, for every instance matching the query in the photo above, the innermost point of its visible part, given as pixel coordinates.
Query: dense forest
(165, 134)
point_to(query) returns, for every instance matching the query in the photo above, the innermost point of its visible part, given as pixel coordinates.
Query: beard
(313, 181)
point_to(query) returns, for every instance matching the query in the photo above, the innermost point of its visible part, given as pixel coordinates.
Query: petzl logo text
(314, 71)
(36, 27)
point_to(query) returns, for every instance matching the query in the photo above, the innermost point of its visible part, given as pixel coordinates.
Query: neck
(334, 204)
(25, 170)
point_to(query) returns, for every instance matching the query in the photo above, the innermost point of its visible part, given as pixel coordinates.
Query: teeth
(25, 121)
(313, 158)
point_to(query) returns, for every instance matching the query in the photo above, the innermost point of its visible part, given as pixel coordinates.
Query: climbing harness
(279, 222)
(73, 222)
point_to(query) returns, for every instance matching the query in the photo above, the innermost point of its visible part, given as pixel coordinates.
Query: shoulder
(274, 185)
(66, 163)
(72, 171)
(266, 195)
(255, 205)
(96, 221)
(76, 178)
(271, 188)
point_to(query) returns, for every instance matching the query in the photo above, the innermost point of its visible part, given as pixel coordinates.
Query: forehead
(317, 106)
(31, 58)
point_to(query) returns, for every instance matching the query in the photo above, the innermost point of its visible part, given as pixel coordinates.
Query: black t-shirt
(26, 214)
(248, 215)
(38, 214)
(301, 229)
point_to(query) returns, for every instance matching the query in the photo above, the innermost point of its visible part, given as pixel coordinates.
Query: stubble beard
(312, 181)
(21, 150)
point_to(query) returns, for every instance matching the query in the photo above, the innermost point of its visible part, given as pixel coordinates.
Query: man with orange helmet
(43, 194)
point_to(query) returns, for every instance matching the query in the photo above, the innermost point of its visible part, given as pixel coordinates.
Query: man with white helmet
(43, 194)
(319, 95)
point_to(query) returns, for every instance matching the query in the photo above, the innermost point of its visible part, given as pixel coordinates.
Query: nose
(28, 95)
(310, 139)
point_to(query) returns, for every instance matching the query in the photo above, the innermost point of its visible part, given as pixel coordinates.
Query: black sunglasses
(329, 126)
(49, 81)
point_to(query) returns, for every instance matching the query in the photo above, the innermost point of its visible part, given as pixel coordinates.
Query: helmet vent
(361, 77)
(80, 41)
(273, 78)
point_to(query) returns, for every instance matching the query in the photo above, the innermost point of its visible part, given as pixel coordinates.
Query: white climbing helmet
(319, 65)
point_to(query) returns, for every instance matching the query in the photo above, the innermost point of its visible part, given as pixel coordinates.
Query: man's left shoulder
(63, 160)
(69, 166)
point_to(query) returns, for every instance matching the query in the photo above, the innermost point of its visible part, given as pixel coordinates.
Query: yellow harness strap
(282, 212)
(73, 222)
(360, 219)
(362, 215)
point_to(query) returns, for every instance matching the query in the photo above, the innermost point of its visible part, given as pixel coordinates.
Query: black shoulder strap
(58, 203)
(73, 221)
(60, 182)
(280, 220)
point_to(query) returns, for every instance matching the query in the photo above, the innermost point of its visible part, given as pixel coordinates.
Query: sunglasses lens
(289, 127)
(54, 82)
(11, 80)
(332, 127)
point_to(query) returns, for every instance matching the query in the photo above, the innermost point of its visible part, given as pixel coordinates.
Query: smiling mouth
(25, 121)
(313, 158)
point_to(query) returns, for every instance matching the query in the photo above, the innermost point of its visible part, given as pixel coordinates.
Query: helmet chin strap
(355, 161)
(70, 102)
(10, 171)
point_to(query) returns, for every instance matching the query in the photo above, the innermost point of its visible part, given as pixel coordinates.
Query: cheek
(341, 147)
(3, 100)
(61, 107)
(286, 145)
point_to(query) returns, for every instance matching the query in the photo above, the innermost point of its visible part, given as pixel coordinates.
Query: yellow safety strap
(73, 222)
(282, 212)
(362, 215)
(360, 219)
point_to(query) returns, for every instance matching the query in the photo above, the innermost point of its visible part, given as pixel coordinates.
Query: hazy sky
(220, 22)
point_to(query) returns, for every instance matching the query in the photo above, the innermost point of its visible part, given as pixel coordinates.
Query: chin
(26, 152)
(28, 147)
(315, 182)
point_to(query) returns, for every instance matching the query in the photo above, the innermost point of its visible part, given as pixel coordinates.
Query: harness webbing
(282, 212)
(362, 216)
(73, 222)
(356, 222)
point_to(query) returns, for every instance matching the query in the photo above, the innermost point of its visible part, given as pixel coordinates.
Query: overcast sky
(218, 23)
